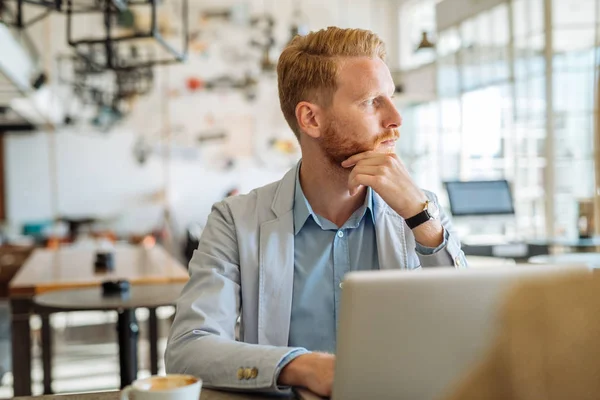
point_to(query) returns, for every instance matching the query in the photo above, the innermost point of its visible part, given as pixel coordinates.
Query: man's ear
(310, 118)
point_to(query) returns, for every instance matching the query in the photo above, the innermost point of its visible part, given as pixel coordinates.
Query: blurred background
(123, 121)
(144, 134)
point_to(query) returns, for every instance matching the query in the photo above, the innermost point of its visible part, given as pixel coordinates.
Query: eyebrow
(369, 95)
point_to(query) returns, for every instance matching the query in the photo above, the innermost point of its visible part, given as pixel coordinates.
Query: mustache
(393, 134)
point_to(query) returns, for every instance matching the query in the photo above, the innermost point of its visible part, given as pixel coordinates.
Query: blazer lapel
(276, 267)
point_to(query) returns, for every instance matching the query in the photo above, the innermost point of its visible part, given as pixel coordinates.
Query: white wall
(98, 175)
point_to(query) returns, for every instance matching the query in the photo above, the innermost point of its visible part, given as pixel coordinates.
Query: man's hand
(387, 175)
(313, 371)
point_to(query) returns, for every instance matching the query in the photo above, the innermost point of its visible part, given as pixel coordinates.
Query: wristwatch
(430, 211)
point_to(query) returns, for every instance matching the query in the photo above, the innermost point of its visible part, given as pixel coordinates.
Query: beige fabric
(548, 347)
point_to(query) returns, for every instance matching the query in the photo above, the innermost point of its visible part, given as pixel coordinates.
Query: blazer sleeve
(202, 339)
(450, 252)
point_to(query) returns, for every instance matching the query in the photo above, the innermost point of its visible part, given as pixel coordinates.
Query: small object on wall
(264, 26)
(229, 164)
(211, 136)
(141, 151)
(194, 83)
(299, 24)
(106, 117)
(125, 19)
(283, 145)
(105, 261)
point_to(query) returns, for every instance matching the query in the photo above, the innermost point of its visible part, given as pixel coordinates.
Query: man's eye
(370, 102)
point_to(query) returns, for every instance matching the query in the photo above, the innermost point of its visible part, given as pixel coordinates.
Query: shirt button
(340, 234)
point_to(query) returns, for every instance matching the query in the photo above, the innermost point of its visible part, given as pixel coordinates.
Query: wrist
(294, 373)
(410, 208)
(430, 233)
(413, 209)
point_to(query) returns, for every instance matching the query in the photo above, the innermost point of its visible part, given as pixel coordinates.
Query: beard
(338, 146)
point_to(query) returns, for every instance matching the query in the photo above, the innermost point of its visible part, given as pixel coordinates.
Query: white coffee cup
(167, 387)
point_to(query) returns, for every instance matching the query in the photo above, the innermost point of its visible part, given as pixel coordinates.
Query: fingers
(353, 188)
(353, 185)
(356, 158)
(373, 169)
(370, 158)
(359, 180)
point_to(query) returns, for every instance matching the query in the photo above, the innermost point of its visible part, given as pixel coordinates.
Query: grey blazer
(244, 266)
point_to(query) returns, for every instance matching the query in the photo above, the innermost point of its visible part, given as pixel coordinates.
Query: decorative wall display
(111, 93)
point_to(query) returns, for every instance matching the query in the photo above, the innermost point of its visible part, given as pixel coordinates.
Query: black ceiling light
(134, 82)
(425, 43)
(112, 49)
(12, 12)
(94, 85)
(59, 5)
(110, 92)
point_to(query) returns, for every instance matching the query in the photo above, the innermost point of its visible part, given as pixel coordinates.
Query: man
(276, 257)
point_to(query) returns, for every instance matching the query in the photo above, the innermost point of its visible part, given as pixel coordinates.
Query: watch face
(433, 210)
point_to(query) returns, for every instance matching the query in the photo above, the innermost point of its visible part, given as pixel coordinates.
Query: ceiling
(9, 119)
(8, 91)
(18, 70)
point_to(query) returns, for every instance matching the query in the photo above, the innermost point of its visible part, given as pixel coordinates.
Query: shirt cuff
(427, 251)
(285, 361)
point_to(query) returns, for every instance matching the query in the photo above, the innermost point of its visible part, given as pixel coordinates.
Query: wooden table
(12, 259)
(72, 267)
(206, 394)
(93, 299)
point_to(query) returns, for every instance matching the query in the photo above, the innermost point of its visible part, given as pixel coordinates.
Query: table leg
(21, 345)
(153, 339)
(47, 352)
(128, 330)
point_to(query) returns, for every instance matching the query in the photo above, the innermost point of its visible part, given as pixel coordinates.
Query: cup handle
(125, 392)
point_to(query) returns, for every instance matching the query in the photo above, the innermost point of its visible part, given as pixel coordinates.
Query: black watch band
(418, 219)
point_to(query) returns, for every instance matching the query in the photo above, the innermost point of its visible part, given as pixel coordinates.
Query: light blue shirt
(323, 254)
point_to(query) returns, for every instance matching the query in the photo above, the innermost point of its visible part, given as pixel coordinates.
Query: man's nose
(393, 120)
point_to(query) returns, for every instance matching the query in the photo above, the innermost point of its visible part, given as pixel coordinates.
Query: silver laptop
(414, 335)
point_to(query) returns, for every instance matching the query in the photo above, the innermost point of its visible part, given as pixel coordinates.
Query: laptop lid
(413, 334)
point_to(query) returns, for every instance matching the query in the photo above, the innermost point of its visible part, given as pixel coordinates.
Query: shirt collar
(303, 210)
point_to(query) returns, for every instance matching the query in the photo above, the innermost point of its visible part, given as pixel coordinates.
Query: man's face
(361, 116)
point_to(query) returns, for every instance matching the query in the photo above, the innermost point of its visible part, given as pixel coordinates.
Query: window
(492, 107)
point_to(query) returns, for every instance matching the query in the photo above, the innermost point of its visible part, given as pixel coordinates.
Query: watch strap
(418, 219)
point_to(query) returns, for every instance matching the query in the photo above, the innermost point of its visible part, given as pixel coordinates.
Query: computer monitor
(483, 211)
(480, 198)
